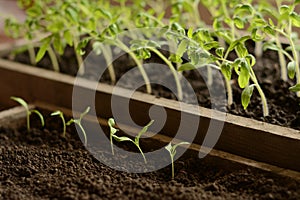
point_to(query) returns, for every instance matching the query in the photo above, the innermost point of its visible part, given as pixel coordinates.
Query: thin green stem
(108, 57)
(173, 70)
(64, 126)
(172, 163)
(112, 145)
(28, 120)
(84, 135)
(31, 54)
(79, 59)
(53, 59)
(141, 152)
(229, 92)
(139, 64)
(282, 61)
(261, 93)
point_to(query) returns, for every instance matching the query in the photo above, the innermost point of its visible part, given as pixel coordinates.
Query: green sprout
(61, 115)
(136, 140)
(78, 122)
(111, 124)
(28, 111)
(172, 151)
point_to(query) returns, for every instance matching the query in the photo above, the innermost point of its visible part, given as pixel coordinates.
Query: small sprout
(78, 122)
(61, 115)
(172, 150)
(295, 88)
(28, 111)
(136, 140)
(111, 124)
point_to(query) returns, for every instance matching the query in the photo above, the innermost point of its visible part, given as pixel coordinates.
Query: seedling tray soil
(41, 164)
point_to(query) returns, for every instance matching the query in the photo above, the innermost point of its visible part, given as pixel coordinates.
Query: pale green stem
(81, 69)
(258, 50)
(141, 152)
(173, 70)
(112, 145)
(31, 55)
(229, 92)
(83, 132)
(139, 65)
(172, 163)
(282, 61)
(261, 93)
(108, 57)
(53, 59)
(28, 121)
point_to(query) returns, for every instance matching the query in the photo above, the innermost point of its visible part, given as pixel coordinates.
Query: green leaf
(57, 44)
(111, 124)
(180, 143)
(295, 88)
(269, 30)
(244, 75)
(190, 32)
(68, 37)
(182, 47)
(58, 112)
(291, 69)
(144, 130)
(186, 67)
(122, 139)
(220, 52)
(241, 50)
(20, 101)
(71, 12)
(295, 19)
(246, 96)
(239, 22)
(43, 48)
(226, 70)
(271, 46)
(250, 60)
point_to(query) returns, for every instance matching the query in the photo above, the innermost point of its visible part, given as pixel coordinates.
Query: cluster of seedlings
(51, 26)
(111, 123)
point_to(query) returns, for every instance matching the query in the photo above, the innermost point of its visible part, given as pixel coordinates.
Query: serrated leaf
(220, 52)
(295, 88)
(291, 69)
(186, 67)
(246, 96)
(269, 30)
(182, 47)
(226, 71)
(250, 59)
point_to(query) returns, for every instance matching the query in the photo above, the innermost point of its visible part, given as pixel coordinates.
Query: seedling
(78, 122)
(28, 111)
(61, 115)
(111, 124)
(172, 151)
(136, 140)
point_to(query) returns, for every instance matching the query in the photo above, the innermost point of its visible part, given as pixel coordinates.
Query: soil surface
(41, 164)
(283, 105)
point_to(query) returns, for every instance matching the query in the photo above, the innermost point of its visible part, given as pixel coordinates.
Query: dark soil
(41, 164)
(283, 105)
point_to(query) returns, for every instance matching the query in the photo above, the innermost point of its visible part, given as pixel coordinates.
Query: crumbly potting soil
(283, 105)
(41, 164)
